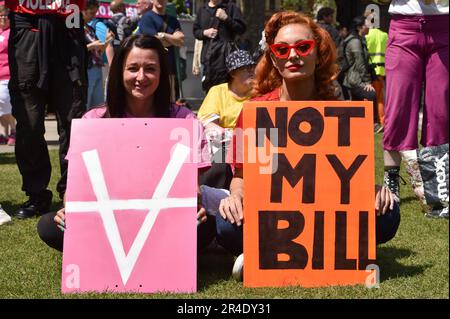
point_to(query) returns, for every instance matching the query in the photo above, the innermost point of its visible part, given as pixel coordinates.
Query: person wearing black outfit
(359, 75)
(47, 56)
(217, 24)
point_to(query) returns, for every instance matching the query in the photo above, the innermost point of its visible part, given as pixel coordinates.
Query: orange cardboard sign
(309, 182)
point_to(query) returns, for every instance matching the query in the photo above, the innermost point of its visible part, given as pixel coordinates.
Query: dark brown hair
(116, 92)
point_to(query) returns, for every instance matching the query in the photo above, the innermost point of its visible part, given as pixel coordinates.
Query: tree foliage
(179, 5)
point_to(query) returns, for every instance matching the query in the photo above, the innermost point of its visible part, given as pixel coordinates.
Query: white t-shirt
(419, 7)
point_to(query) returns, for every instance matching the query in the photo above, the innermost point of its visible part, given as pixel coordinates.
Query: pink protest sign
(131, 206)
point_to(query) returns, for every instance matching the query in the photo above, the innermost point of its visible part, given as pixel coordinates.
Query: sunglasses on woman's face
(302, 48)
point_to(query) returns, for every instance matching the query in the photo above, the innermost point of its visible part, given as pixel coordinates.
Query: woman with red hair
(306, 73)
(299, 64)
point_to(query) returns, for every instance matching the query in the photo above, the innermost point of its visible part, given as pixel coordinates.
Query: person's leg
(229, 236)
(435, 112)
(11, 123)
(49, 232)
(98, 94)
(404, 76)
(378, 85)
(91, 86)
(68, 105)
(387, 225)
(359, 94)
(69, 100)
(28, 107)
(4, 217)
(3, 129)
(205, 233)
(5, 110)
(392, 161)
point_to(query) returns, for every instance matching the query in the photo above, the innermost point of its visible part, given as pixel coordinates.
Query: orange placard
(309, 197)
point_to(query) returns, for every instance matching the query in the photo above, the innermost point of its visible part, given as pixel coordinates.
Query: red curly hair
(267, 76)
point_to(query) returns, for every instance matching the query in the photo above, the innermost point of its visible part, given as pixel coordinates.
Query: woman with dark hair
(299, 65)
(138, 88)
(138, 77)
(358, 77)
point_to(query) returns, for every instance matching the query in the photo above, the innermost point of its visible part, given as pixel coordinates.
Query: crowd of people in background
(299, 58)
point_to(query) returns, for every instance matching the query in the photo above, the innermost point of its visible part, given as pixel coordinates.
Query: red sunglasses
(302, 48)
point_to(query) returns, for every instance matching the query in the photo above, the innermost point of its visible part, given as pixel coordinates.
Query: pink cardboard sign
(131, 206)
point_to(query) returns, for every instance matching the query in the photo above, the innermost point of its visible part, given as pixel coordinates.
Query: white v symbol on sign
(106, 207)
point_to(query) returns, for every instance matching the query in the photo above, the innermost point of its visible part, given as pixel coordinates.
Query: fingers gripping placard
(310, 221)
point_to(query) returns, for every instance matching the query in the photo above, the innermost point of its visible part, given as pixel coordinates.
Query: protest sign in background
(309, 221)
(105, 12)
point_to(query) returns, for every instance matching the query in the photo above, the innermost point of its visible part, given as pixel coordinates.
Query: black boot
(36, 205)
(392, 180)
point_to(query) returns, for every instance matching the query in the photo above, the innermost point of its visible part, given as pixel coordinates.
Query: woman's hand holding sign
(231, 209)
(384, 200)
(60, 219)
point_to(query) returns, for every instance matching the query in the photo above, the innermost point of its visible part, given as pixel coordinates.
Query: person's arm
(355, 59)
(197, 27)
(175, 39)
(384, 200)
(109, 53)
(196, 64)
(96, 46)
(233, 20)
(231, 208)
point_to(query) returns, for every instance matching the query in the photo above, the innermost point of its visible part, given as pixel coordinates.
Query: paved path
(51, 136)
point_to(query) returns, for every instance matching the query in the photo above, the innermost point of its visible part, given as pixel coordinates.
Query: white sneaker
(238, 268)
(4, 217)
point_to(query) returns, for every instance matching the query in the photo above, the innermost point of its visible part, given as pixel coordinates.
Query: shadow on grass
(7, 158)
(387, 258)
(409, 199)
(213, 266)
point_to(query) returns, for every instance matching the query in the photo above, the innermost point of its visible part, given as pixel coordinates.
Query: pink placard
(131, 206)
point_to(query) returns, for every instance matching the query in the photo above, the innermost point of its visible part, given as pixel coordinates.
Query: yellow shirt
(221, 104)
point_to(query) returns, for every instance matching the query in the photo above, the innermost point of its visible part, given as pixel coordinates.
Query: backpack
(428, 171)
(122, 27)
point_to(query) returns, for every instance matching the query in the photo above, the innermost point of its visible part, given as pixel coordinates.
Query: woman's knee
(49, 232)
(387, 225)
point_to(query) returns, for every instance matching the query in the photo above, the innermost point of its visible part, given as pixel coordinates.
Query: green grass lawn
(414, 264)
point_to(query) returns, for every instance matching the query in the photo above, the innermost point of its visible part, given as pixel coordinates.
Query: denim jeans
(230, 236)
